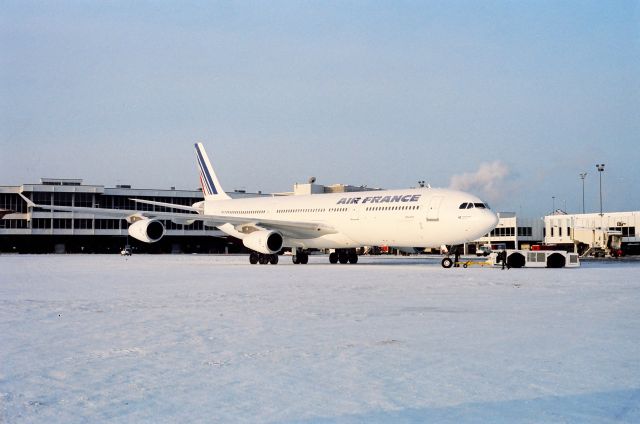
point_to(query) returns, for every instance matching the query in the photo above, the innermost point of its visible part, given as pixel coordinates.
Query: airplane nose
(482, 224)
(492, 219)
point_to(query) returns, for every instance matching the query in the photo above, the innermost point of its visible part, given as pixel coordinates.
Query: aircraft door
(354, 212)
(433, 210)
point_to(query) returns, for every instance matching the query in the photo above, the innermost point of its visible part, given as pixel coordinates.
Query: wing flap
(168, 205)
(290, 229)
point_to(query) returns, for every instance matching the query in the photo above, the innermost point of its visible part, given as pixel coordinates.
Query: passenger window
(463, 206)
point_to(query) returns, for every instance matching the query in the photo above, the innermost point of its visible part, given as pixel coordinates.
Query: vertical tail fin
(211, 188)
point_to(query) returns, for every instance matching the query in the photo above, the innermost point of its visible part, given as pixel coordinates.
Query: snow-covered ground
(198, 338)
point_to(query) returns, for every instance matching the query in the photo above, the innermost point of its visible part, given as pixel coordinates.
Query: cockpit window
(469, 205)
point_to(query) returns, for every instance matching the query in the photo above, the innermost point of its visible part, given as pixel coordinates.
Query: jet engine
(267, 242)
(147, 230)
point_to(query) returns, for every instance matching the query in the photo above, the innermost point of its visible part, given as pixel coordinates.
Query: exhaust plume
(488, 180)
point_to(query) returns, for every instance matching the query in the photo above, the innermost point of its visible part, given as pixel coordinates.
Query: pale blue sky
(376, 93)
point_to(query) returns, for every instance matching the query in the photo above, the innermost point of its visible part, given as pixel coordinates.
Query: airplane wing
(291, 229)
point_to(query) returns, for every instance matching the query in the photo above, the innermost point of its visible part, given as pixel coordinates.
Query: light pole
(600, 168)
(553, 211)
(583, 175)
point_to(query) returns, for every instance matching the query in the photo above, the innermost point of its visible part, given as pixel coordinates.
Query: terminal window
(61, 223)
(107, 224)
(170, 225)
(13, 223)
(12, 202)
(62, 199)
(503, 232)
(626, 231)
(83, 199)
(40, 223)
(41, 198)
(125, 203)
(525, 231)
(83, 224)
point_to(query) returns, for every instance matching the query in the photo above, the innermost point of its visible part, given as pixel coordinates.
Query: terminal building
(48, 231)
(511, 232)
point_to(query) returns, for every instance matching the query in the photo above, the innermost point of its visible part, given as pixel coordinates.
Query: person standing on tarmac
(456, 256)
(502, 257)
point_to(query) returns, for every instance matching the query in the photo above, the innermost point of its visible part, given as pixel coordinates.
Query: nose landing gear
(447, 262)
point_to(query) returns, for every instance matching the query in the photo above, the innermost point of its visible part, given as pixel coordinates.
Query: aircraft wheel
(333, 258)
(447, 263)
(353, 258)
(343, 259)
(264, 259)
(304, 259)
(273, 259)
(253, 258)
(295, 259)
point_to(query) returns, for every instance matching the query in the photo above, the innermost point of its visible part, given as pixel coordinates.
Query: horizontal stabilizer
(4, 212)
(26, 199)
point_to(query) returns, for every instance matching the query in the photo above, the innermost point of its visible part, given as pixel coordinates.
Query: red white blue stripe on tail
(208, 180)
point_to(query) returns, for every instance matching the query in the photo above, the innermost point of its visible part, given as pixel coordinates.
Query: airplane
(424, 217)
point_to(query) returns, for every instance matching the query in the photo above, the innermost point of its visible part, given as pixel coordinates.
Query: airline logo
(208, 187)
(379, 199)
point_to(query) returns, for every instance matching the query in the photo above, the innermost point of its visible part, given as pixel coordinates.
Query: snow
(200, 338)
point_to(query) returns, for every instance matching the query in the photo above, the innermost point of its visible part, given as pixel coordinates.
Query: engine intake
(147, 230)
(267, 242)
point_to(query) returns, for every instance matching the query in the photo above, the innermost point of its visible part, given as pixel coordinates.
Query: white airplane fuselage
(419, 217)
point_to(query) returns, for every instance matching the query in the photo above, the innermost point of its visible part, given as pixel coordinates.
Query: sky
(508, 100)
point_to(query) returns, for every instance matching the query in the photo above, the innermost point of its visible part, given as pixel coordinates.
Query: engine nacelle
(147, 230)
(267, 242)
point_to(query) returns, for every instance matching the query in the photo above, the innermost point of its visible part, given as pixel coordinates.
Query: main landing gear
(300, 257)
(343, 256)
(262, 259)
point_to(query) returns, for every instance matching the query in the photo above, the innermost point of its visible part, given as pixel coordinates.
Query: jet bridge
(596, 241)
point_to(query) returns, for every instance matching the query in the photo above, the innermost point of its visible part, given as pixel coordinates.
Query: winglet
(26, 199)
(211, 188)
